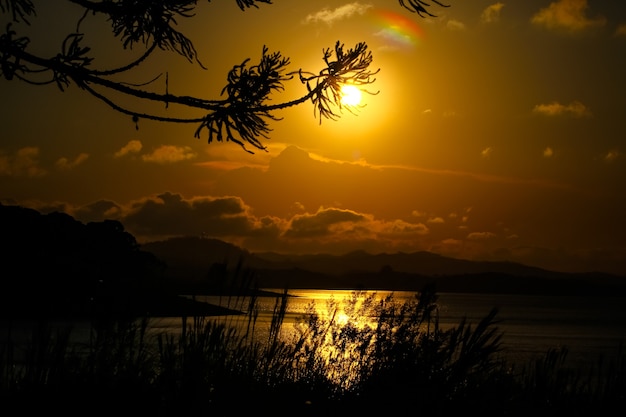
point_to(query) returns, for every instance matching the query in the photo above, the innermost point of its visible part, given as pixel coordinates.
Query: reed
(361, 354)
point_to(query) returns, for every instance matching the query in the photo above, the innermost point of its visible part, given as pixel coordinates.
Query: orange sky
(499, 133)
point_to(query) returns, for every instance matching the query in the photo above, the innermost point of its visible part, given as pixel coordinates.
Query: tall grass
(357, 357)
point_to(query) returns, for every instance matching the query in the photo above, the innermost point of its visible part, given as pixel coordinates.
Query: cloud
(548, 152)
(339, 230)
(492, 13)
(228, 218)
(486, 153)
(455, 25)
(330, 16)
(133, 146)
(171, 214)
(574, 109)
(325, 221)
(621, 30)
(612, 155)
(436, 220)
(168, 154)
(569, 15)
(101, 209)
(480, 235)
(65, 164)
(25, 163)
(451, 247)
(418, 213)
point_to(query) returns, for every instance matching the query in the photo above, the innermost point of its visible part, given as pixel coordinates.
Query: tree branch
(242, 116)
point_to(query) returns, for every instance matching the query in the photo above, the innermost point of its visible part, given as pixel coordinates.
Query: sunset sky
(499, 133)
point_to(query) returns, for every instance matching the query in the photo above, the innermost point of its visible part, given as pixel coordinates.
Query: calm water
(589, 327)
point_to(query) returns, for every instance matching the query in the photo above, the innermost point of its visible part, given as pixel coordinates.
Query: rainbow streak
(396, 29)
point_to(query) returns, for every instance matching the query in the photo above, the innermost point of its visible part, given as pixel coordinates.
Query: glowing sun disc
(350, 95)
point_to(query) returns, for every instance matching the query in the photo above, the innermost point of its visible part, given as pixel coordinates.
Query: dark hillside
(53, 265)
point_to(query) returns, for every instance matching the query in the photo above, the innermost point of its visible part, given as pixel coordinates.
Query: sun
(350, 95)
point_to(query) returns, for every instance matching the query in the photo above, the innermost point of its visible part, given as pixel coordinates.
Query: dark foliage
(55, 265)
(419, 6)
(242, 117)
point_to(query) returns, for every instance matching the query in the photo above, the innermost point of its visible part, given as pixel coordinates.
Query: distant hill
(423, 263)
(192, 259)
(198, 254)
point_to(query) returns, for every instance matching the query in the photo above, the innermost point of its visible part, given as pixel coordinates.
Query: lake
(590, 327)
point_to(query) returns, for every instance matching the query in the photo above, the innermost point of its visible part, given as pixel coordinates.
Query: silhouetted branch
(19, 9)
(251, 3)
(350, 67)
(419, 7)
(242, 116)
(249, 88)
(141, 22)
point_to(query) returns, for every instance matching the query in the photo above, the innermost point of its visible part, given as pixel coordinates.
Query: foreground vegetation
(359, 357)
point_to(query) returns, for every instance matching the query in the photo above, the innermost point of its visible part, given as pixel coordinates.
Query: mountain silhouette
(192, 258)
